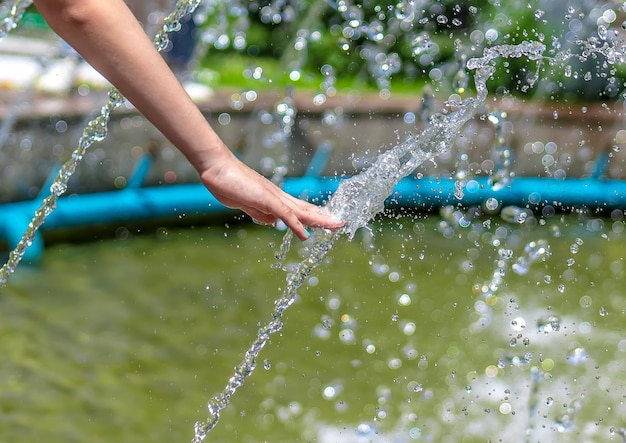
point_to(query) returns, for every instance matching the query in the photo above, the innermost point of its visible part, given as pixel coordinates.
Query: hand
(237, 186)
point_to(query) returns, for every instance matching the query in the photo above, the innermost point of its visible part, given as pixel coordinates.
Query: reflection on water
(400, 336)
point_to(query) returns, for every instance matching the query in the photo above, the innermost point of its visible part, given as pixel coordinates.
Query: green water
(126, 340)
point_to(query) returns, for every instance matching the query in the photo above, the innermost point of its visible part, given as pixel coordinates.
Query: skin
(107, 35)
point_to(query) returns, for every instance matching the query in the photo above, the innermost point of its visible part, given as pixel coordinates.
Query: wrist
(211, 162)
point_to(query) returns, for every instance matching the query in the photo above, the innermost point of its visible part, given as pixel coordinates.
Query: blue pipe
(136, 203)
(319, 161)
(431, 193)
(140, 172)
(601, 165)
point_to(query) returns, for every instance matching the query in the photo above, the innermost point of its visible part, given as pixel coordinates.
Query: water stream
(95, 130)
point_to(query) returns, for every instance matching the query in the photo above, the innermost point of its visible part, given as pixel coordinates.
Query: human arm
(108, 36)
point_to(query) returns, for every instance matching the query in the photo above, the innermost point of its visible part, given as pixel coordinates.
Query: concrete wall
(48, 130)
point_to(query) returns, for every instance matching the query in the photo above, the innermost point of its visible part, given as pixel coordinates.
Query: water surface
(391, 340)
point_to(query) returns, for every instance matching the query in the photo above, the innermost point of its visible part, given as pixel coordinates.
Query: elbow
(64, 13)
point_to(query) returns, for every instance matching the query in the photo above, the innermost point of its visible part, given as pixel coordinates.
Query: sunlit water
(392, 340)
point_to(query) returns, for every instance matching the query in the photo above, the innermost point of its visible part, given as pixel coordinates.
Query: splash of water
(358, 200)
(96, 130)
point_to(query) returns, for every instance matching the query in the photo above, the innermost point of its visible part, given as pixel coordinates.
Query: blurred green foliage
(430, 46)
(332, 39)
(418, 42)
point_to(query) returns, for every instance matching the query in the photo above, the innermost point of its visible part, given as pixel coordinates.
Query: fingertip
(293, 223)
(303, 234)
(337, 219)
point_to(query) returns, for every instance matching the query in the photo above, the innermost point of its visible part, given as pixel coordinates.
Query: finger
(291, 220)
(309, 209)
(286, 215)
(279, 205)
(260, 217)
(317, 217)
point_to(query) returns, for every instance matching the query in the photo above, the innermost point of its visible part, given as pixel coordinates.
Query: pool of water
(391, 340)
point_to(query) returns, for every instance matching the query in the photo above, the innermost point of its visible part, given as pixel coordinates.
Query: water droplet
(330, 392)
(409, 328)
(491, 204)
(347, 336)
(415, 433)
(505, 408)
(327, 322)
(410, 353)
(404, 300)
(585, 301)
(603, 312)
(364, 429)
(414, 386)
(394, 363)
(514, 214)
(518, 324)
(577, 356)
(568, 71)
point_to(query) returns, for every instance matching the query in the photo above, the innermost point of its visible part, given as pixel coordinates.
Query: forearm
(109, 37)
